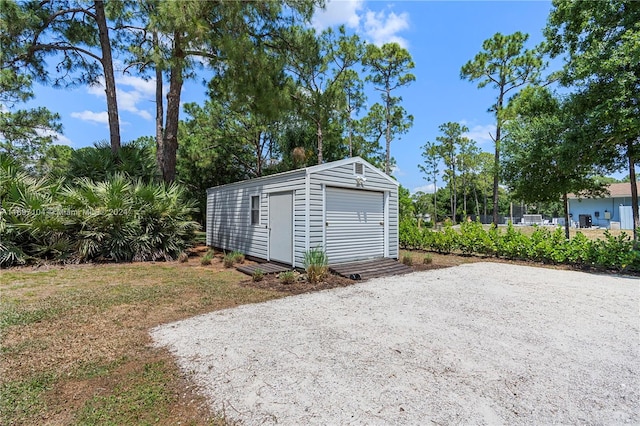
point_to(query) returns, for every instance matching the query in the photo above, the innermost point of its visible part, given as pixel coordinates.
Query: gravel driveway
(481, 343)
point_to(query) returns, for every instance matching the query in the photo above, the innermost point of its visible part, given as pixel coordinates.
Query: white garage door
(354, 225)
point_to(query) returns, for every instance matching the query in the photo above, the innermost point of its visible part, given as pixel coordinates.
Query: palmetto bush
(27, 229)
(100, 164)
(118, 219)
(124, 220)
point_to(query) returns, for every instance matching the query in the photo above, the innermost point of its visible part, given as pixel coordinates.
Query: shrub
(135, 160)
(474, 239)
(115, 220)
(512, 244)
(428, 259)
(258, 275)
(238, 257)
(410, 235)
(207, 258)
(542, 246)
(287, 277)
(614, 252)
(124, 220)
(228, 260)
(316, 264)
(407, 259)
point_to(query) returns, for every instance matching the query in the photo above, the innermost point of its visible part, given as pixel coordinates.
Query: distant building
(612, 211)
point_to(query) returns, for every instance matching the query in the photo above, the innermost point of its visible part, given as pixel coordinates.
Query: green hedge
(544, 245)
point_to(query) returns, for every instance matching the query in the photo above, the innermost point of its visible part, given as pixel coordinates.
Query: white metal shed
(348, 207)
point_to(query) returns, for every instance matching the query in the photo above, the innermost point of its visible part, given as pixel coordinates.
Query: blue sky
(441, 37)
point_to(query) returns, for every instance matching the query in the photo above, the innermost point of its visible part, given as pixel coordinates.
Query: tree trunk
(258, 144)
(454, 210)
(350, 135)
(496, 166)
(109, 77)
(451, 202)
(464, 196)
(496, 162)
(634, 187)
(170, 139)
(387, 162)
(475, 196)
(435, 200)
(565, 203)
(159, 112)
(484, 203)
(319, 134)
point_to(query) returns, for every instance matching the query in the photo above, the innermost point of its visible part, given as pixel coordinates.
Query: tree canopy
(390, 65)
(504, 64)
(601, 44)
(545, 156)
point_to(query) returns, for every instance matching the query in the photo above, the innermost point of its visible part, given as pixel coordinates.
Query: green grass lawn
(75, 345)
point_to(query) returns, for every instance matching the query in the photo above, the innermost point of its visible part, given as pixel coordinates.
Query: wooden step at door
(370, 268)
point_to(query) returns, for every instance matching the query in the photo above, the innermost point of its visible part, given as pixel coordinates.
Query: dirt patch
(300, 286)
(273, 282)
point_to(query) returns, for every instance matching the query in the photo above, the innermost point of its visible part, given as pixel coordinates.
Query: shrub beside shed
(348, 207)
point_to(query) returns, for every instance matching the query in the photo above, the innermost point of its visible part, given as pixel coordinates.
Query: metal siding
(228, 208)
(316, 223)
(354, 225)
(343, 176)
(229, 212)
(393, 225)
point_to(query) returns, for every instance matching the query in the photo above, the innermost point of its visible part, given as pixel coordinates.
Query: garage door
(354, 225)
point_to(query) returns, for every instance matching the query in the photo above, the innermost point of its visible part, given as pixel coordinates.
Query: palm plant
(116, 219)
(122, 220)
(29, 221)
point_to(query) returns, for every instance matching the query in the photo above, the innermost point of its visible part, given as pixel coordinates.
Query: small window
(358, 169)
(255, 210)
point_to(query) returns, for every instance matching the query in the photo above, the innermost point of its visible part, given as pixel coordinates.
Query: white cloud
(127, 101)
(427, 189)
(382, 27)
(396, 171)
(97, 89)
(95, 117)
(481, 133)
(143, 91)
(146, 88)
(58, 138)
(338, 12)
(377, 27)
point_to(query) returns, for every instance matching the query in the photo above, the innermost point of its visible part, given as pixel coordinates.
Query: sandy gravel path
(480, 343)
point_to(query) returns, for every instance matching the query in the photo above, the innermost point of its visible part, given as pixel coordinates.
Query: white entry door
(354, 225)
(281, 227)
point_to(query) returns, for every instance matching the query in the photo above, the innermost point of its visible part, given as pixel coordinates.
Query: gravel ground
(481, 343)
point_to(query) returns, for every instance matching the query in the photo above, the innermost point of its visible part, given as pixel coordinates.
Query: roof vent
(359, 169)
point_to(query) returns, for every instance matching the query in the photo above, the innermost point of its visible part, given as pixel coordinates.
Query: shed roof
(616, 190)
(313, 169)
